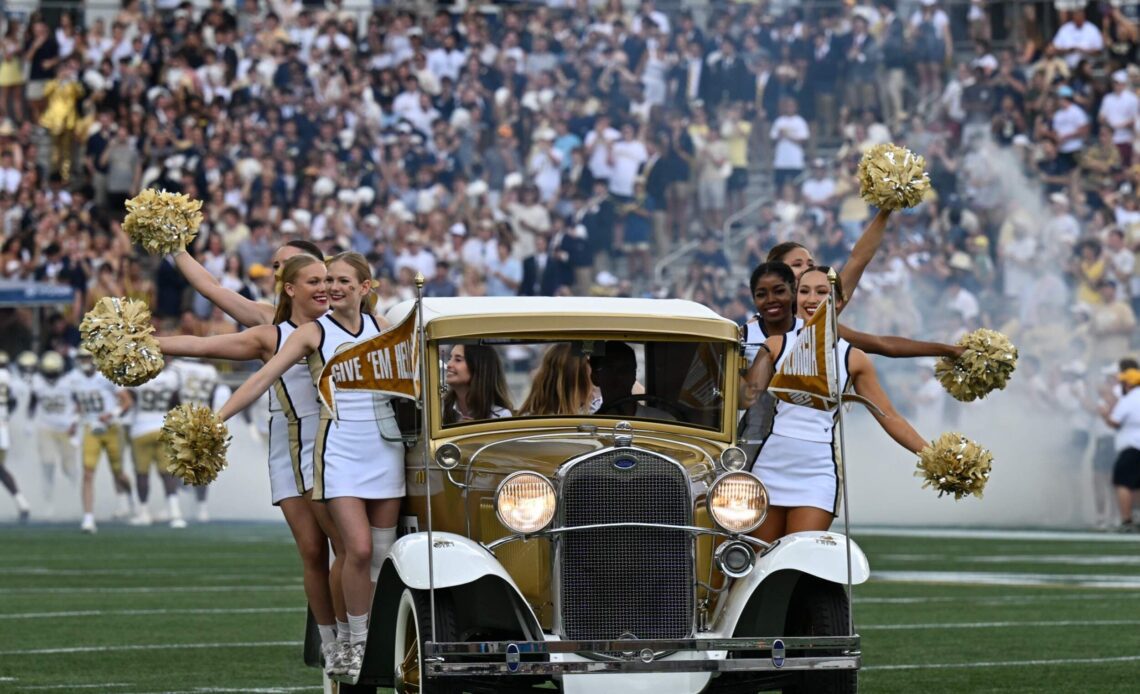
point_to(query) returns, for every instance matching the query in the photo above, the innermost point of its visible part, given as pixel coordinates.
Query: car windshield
(666, 381)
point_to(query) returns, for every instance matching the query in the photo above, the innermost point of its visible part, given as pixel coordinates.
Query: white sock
(21, 502)
(342, 631)
(173, 506)
(328, 633)
(358, 628)
(88, 517)
(382, 539)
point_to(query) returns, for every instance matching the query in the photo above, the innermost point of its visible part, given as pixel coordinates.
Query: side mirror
(409, 418)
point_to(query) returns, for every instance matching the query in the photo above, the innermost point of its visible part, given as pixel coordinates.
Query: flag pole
(833, 279)
(424, 452)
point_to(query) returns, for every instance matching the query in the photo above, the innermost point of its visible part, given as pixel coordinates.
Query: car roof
(479, 316)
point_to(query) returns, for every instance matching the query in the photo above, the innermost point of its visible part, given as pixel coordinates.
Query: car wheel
(819, 608)
(413, 627)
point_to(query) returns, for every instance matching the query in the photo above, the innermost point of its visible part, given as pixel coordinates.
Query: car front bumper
(696, 655)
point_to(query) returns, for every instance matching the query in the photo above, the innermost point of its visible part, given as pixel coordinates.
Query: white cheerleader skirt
(291, 455)
(359, 459)
(798, 473)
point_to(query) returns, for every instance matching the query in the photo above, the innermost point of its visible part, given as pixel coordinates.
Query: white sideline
(980, 534)
(1059, 559)
(139, 613)
(1000, 625)
(150, 647)
(242, 690)
(1004, 663)
(296, 585)
(1009, 579)
(1003, 599)
(105, 685)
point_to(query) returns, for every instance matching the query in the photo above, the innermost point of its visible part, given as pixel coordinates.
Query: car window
(668, 381)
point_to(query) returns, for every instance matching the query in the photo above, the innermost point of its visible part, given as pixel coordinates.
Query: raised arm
(898, 347)
(861, 255)
(255, 343)
(300, 344)
(248, 313)
(867, 385)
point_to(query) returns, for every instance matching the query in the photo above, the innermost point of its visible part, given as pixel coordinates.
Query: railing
(727, 239)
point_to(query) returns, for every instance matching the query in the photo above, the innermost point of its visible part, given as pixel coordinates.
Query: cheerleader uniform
(797, 461)
(759, 422)
(360, 453)
(294, 416)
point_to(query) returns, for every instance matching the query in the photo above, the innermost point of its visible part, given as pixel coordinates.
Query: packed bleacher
(617, 148)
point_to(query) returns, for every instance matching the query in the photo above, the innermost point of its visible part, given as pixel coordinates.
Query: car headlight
(525, 502)
(447, 456)
(738, 502)
(733, 459)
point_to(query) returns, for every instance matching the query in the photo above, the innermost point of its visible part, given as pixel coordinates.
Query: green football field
(219, 608)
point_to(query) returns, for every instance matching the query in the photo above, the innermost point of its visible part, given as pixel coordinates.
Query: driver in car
(614, 372)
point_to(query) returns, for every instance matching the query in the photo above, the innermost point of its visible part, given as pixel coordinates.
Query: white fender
(456, 561)
(818, 553)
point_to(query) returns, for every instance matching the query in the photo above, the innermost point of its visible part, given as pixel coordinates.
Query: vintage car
(606, 550)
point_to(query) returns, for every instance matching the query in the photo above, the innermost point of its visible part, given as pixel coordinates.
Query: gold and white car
(600, 551)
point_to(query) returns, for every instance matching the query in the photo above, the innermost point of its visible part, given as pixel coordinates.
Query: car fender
(456, 560)
(815, 553)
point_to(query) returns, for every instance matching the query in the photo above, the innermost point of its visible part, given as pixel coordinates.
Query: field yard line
(1002, 599)
(1008, 579)
(150, 647)
(137, 613)
(276, 577)
(999, 625)
(107, 685)
(1005, 663)
(968, 534)
(1061, 559)
(242, 690)
(148, 589)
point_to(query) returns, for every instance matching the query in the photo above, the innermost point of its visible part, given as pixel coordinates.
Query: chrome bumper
(638, 655)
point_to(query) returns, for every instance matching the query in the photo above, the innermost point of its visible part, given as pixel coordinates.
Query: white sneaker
(88, 526)
(142, 519)
(121, 514)
(354, 661)
(337, 663)
(177, 523)
(330, 655)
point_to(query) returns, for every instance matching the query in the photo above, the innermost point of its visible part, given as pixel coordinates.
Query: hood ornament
(623, 435)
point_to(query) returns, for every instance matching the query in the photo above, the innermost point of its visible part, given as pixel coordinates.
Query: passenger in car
(562, 385)
(476, 385)
(615, 373)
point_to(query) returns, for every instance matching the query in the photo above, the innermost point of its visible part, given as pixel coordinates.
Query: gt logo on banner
(387, 363)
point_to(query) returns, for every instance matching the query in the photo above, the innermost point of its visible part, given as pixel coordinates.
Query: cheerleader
(358, 462)
(292, 419)
(293, 425)
(797, 460)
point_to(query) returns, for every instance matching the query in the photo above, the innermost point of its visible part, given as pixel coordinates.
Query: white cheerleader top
(294, 394)
(808, 423)
(351, 405)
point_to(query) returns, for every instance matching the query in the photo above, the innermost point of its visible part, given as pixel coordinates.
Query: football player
(150, 403)
(100, 405)
(7, 403)
(51, 408)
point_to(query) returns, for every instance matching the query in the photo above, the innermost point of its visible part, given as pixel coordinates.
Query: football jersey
(153, 400)
(94, 397)
(55, 406)
(5, 394)
(199, 382)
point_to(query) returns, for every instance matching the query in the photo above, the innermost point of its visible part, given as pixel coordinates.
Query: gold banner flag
(387, 363)
(807, 376)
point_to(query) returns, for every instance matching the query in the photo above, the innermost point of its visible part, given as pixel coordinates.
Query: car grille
(626, 581)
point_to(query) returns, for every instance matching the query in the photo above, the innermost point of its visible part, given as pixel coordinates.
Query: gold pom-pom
(119, 336)
(162, 222)
(893, 177)
(197, 442)
(986, 365)
(953, 464)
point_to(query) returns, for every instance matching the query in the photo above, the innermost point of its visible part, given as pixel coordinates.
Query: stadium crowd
(572, 147)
